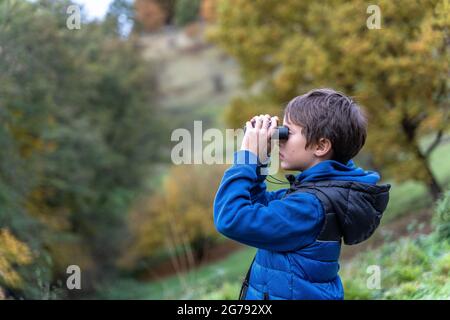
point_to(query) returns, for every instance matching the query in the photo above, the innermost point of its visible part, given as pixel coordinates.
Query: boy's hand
(257, 137)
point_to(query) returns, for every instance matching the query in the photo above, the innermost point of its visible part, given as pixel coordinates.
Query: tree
(399, 73)
(186, 11)
(154, 14)
(79, 135)
(121, 16)
(150, 15)
(208, 10)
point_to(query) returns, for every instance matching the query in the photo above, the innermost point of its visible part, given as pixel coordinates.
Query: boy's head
(323, 125)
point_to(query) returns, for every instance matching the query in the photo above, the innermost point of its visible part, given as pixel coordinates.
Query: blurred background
(86, 116)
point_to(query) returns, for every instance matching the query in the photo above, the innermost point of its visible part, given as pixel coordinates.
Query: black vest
(353, 210)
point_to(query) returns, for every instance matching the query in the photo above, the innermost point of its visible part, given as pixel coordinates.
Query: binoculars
(283, 132)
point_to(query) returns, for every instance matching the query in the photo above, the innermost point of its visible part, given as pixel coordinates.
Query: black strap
(331, 230)
(245, 283)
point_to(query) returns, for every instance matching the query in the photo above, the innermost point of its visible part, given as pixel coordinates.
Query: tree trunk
(409, 127)
(433, 186)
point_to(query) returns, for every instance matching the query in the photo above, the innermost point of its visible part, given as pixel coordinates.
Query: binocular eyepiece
(283, 132)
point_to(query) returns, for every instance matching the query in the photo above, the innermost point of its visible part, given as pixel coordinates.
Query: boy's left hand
(257, 137)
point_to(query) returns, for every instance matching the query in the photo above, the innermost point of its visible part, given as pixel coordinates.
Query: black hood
(360, 212)
(358, 207)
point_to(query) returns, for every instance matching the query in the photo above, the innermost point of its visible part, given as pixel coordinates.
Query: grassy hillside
(411, 268)
(217, 280)
(405, 260)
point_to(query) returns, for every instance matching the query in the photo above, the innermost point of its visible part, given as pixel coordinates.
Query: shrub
(441, 219)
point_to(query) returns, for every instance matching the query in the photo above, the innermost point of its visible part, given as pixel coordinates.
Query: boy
(298, 230)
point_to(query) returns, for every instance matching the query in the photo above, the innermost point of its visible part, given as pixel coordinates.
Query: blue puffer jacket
(291, 262)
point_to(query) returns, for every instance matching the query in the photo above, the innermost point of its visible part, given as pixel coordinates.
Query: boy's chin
(286, 166)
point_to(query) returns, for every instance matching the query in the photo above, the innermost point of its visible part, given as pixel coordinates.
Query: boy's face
(293, 155)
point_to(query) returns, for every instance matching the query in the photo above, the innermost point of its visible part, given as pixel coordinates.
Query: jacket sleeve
(259, 193)
(278, 225)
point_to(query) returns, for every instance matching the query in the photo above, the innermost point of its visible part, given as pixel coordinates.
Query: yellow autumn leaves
(13, 253)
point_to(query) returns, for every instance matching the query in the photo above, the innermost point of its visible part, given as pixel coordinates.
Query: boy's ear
(323, 148)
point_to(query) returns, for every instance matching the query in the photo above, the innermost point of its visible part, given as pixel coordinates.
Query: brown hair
(326, 113)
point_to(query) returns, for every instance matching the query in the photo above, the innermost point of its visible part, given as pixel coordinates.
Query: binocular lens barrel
(283, 132)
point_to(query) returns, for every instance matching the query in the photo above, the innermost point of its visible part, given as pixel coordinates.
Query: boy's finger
(248, 125)
(273, 125)
(258, 123)
(274, 122)
(265, 124)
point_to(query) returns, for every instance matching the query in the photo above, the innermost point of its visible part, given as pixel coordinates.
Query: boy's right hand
(259, 131)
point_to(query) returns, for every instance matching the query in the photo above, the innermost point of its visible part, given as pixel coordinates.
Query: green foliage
(79, 135)
(442, 217)
(410, 268)
(227, 291)
(186, 11)
(398, 73)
